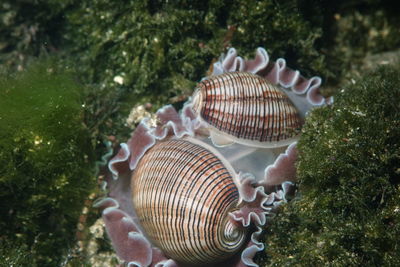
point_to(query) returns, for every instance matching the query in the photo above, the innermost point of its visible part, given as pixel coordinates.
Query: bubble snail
(198, 188)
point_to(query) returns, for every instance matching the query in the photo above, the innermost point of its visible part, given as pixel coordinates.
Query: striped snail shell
(182, 194)
(248, 109)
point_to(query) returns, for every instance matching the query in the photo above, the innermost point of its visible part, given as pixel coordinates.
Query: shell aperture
(183, 194)
(248, 109)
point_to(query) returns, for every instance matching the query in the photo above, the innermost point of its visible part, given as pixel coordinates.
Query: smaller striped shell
(183, 194)
(247, 109)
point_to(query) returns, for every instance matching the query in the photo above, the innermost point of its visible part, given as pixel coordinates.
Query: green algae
(347, 212)
(283, 29)
(47, 161)
(160, 49)
(14, 254)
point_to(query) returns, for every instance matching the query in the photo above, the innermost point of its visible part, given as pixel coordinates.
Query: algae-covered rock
(46, 157)
(284, 29)
(347, 212)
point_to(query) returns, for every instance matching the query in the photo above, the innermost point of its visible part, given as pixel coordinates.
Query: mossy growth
(47, 162)
(14, 254)
(152, 49)
(283, 28)
(347, 212)
(164, 46)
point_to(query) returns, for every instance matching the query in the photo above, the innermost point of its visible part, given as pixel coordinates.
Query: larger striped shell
(247, 109)
(182, 193)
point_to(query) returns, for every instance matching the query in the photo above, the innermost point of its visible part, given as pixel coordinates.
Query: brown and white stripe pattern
(182, 194)
(246, 106)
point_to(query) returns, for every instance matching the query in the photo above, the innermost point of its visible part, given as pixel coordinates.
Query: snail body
(246, 108)
(183, 194)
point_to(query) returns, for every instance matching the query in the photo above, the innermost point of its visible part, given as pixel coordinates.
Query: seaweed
(47, 161)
